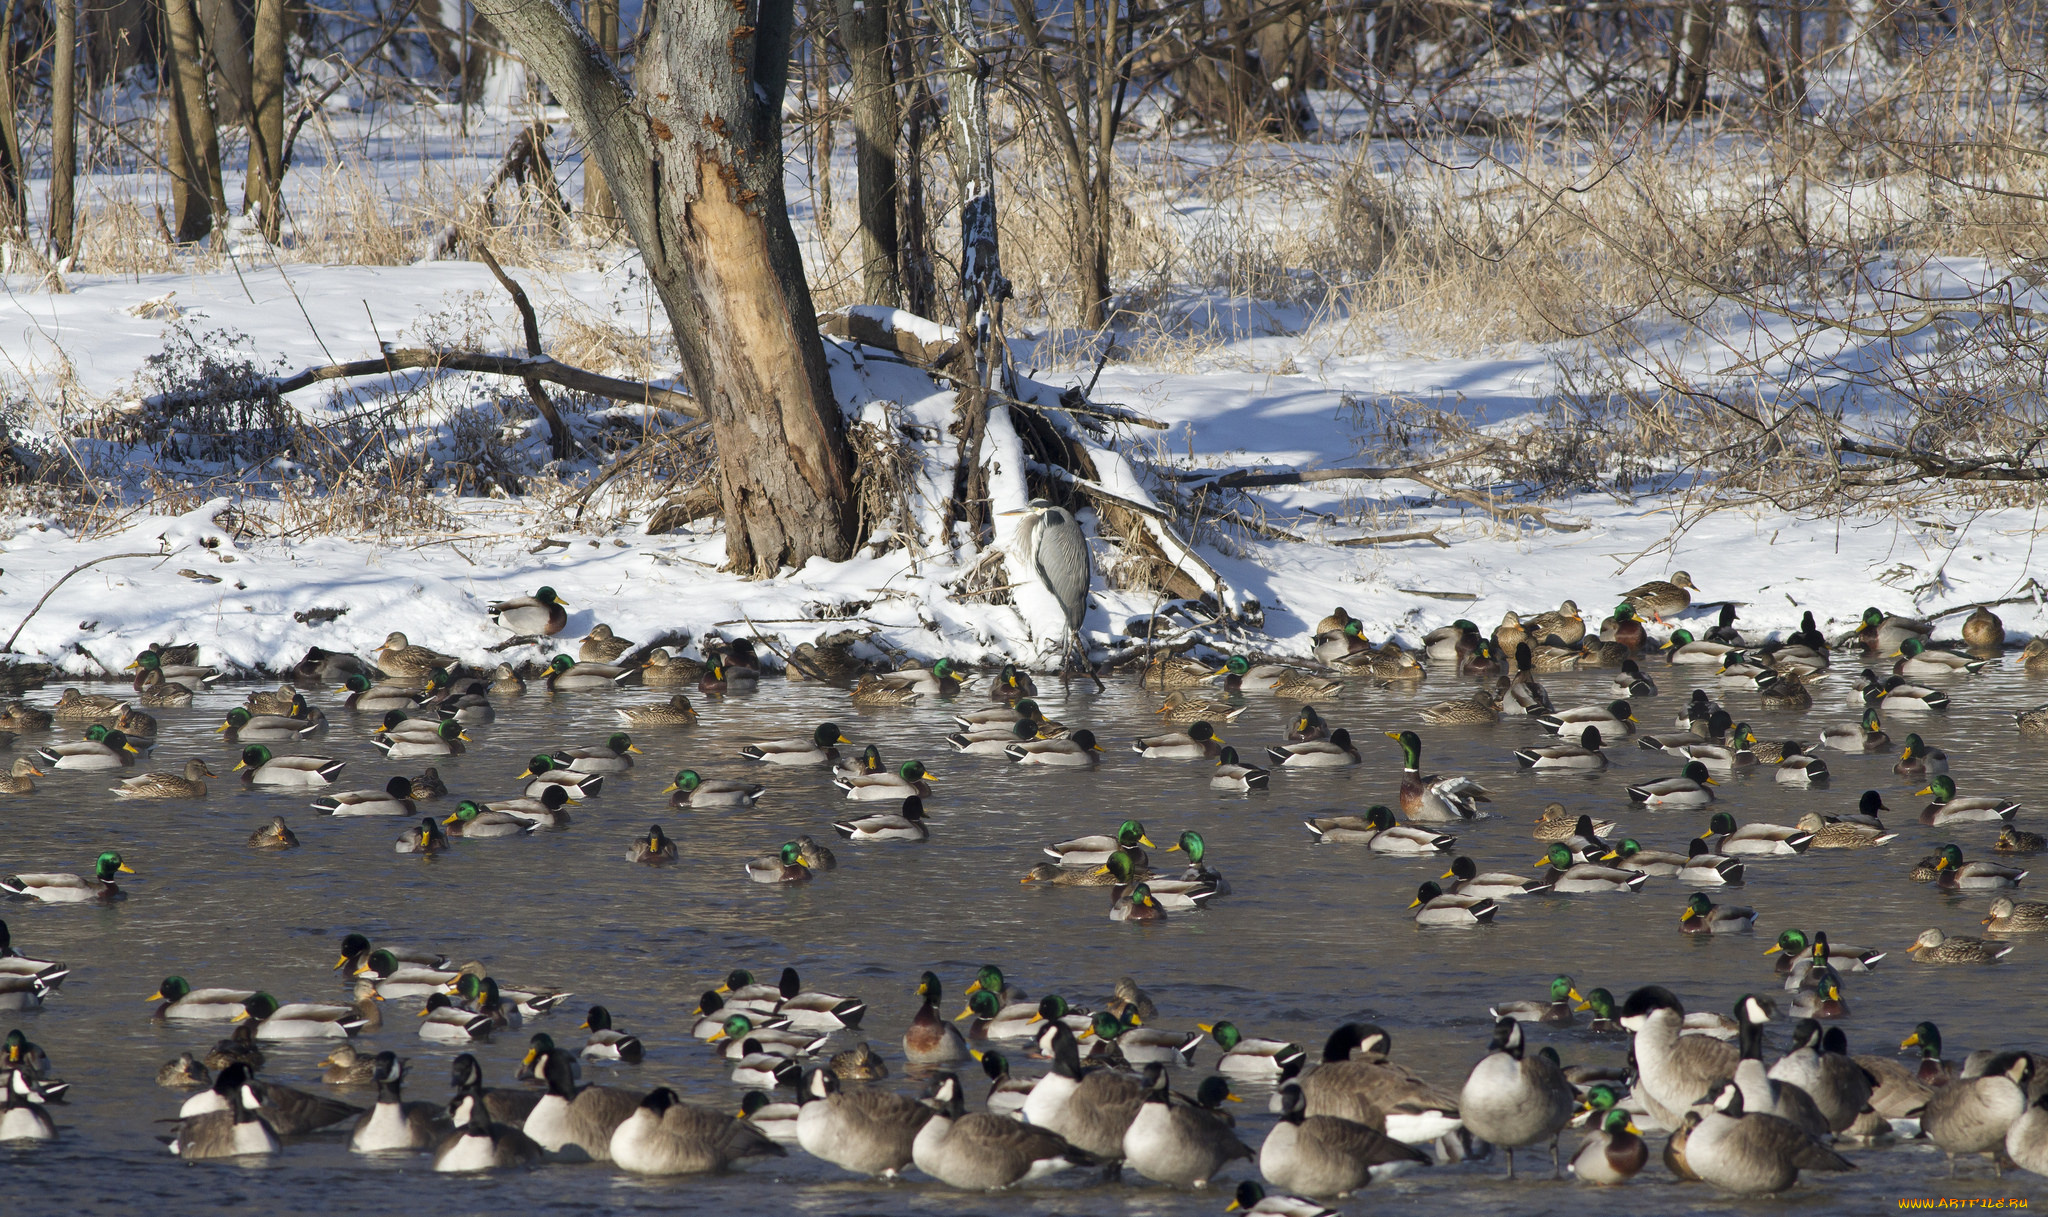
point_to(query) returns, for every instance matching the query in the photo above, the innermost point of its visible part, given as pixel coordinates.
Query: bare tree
(63, 126)
(601, 18)
(196, 189)
(694, 159)
(265, 181)
(864, 32)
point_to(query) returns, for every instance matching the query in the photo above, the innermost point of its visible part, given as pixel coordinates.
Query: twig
(9, 648)
(542, 368)
(558, 435)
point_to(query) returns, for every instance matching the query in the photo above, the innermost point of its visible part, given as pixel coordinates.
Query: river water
(1312, 935)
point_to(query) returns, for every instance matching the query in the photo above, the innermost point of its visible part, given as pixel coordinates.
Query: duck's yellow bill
(1773, 949)
(159, 994)
(967, 1013)
(125, 869)
(1413, 903)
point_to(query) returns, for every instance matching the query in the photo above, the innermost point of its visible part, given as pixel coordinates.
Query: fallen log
(400, 359)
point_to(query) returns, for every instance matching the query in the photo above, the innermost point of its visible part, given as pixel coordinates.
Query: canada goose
(509, 1107)
(1356, 1081)
(930, 1039)
(1676, 1069)
(289, 1112)
(485, 1144)
(1514, 1100)
(572, 1122)
(1973, 1115)
(1089, 1110)
(1839, 1087)
(1178, 1143)
(979, 1151)
(1753, 1153)
(665, 1136)
(231, 1131)
(22, 1117)
(868, 1132)
(2026, 1142)
(394, 1124)
(1761, 1093)
(1325, 1155)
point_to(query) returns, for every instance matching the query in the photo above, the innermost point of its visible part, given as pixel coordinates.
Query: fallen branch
(2008, 468)
(558, 435)
(9, 648)
(1238, 479)
(396, 360)
(1394, 538)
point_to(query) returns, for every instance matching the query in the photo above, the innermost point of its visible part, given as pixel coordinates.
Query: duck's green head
(1721, 823)
(943, 669)
(1226, 1034)
(237, 719)
(465, 811)
(1562, 989)
(1872, 617)
(108, 865)
(255, 756)
(1911, 647)
(1600, 1002)
(450, 730)
(1214, 1092)
(1119, 864)
(1941, 786)
(1870, 721)
(656, 841)
(990, 977)
(1227, 757)
(1465, 627)
(147, 661)
(1624, 611)
(392, 718)
(1191, 843)
(560, 664)
(1236, 665)
(1026, 708)
(1678, 638)
(538, 1047)
(174, 988)
(1426, 893)
(1742, 735)
(735, 1027)
(928, 987)
(118, 741)
(1791, 942)
(1696, 905)
(18, 1047)
(1622, 711)
(791, 854)
(825, 736)
(1949, 858)
(356, 682)
(983, 1004)
(1308, 719)
(1601, 1097)
(97, 733)
(1131, 833)
(598, 1019)
(380, 961)
(1380, 816)
(1915, 746)
(1619, 1122)
(871, 759)
(430, 832)
(546, 595)
(994, 1064)
(914, 771)
(1697, 771)
(1871, 804)
(470, 985)
(487, 996)
(1411, 747)
(686, 781)
(438, 679)
(259, 1007)
(1201, 732)
(1628, 848)
(620, 743)
(735, 980)
(1104, 1025)
(1557, 857)
(1926, 1037)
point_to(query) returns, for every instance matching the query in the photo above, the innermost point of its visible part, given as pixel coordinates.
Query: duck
(394, 800)
(1703, 916)
(1614, 1152)
(675, 712)
(1796, 767)
(1983, 631)
(1585, 754)
(426, 839)
(154, 691)
(1433, 798)
(1884, 634)
(689, 790)
(234, 1130)
(399, 657)
(184, 1073)
(1842, 834)
(1933, 946)
(1481, 707)
(20, 716)
(2014, 841)
(1076, 751)
(1377, 831)
(367, 698)
(1661, 598)
(1246, 1056)
(181, 1001)
(1566, 876)
(241, 726)
(1616, 720)
(259, 766)
(1915, 658)
(2017, 917)
(53, 888)
(783, 865)
(1629, 854)
(1469, 881)
(1685, 650)
(1434, 907)
(654, 849)
(819, 749)
(19, 778)
(1905, 698)
(1747, 839)
(1783, 691)
(1335, 751)
(1705, 868)
(102, 748)
(444, 738)
(1198, 742)
(472, 820)
(930, 1039)
(1947, 808)
(995, 739)
(1632, 682)
(75, 707)
(1095, 849)
(1557, 823)
(1554, 1011)
(298, 1020)
(1183, 706)
(1973, 1115)
(428, 784)
(1953, 874)
(540, 615)
(1688, 789)
(566, 675)
(905, 825)
(909, 778)
(543, 772)
(1866, 736)
(189, 785)
(1918, 760)
(606, 1043)
(1233, 774)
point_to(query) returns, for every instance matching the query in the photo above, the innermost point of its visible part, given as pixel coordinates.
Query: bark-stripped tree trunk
(864, 32)
(196, 190)
(694, 160)
(262, 188)
(982, 286)
(63, 126)
(1692, 47)
(601, 17)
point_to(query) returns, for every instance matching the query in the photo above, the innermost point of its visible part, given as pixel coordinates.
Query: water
(1312, 936)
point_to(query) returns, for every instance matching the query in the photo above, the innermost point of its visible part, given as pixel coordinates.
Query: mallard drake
(1630, 855)
(1703, 916)
(654, 849)
(1866, 736)
(1883, 634)
(1010, 683)
(394, 800)
(614, 755)
(471, 819)
(1632, 682)
(474, 985)
(1467, 880)
(357, 953)
(994, 1019)
(1775, 839)
(367, 698)
(1433, 798)
(1565, 876)
(541, 614)
(566, 675)
(1481, 707)
(907, 825)
(601, 645)
(426, 839)
(2013, 841)
(53, 888)
(1616, 720)
(1842, 834)
(1452, 643)
(444, 1022)
(1797, 768)
(190, 785)
(1377, 831)
(241, 726)
(1800, 961)
(261, 767)
(1686, 650)
(1317, 754)
(1338, 645)
(1198, 742)
(1307, 725)
(1915, 658)
(819, 749)
(1705, 868)
(544, 772)
(1933, 946)
(1095, 850)
(182, 1001)
(1783, 691)
(931, 1040)
(910, 778)
(298, 1020)
(1625, 631)
(1954, 874)
(1919, 761)
(1231, 773)
(13, 963)
(1076, 751)
(1434, 907)
(1688, 789)
(102, 748)
(605, 1042)
(1554, 1011)
(1947, 808)
(274, 835)
(1900, 696)
(1585, 754)
(1185, 707)
(690, 790)
(785, 865)
(1734, 756)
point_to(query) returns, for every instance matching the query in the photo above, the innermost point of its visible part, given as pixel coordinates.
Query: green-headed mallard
(1703, 916)
(1281, 680)
(1233, 774)
(1625, 631)
(1023, 710)
(1660, 598)
(1865, 736)
(1685, 649)
(470, 819)
(690, 790)
(1565, 876)
(675, 712)
(994, 739)
(1916, 659)
(1468, 880)
(931, 1040)
(602, 646)
(1933, 946)
(444, 1022)
(1198, 742)
(1955, 875)
(1333, 752)
(1798, 953)
(1796, 767)
(1688, 789)
(1307, 725)
(1632, 682)
(1705, 868)
(1556, 1010)
(276, 1020)
(784, 865)
(1011, 683)
(905, 825)
(1341, 645)
(53, 888)
(182, 1001)
(1140, 906)
(1616, 720)
(993, 1019)
(1948, 808)
(653, 849)
(1585, 754)
(1376, 830)
(240, 726)
(1198, 869)
(1900, 696)
(543, 772)
(819, 749)
(611, 756)
(1842, 834)
(394, 800)
(368, 698)
(193, 677)
(259, 766)
(1630, 855)
(1884, 634)
(102, 748)
(566, 675)
(1433, 907)
(1771, 839)
(1250, 1057)
(427, 838)
(1453, 643)
(607, 1043)
(274, 835)
(540, 614)
(1431, 798)
(1075, 751)
(191, 785)
(908, 779)
(1095, 850)
(1920, 761)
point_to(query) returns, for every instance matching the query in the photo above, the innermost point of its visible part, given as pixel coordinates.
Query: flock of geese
(1107, 1098)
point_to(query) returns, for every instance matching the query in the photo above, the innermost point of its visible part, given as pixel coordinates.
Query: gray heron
(1050, 540)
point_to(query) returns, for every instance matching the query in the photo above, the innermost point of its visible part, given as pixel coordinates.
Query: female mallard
(1783, 691)
(1955, 875)
(1481, 707)
(1866, 736)
(1185, 707)
(1509, 634)
(20, 716)
(1842, 834)
(1916, 659)
(1389, 664)
(1559, 824)
(1377, 831)
(884, 690)
(1433, 907)
(602, 646)
(1233, 774)
(154, 692)
(75, 707)
(1562, 627)
(425, 839)
(1334, 752)
(394, 800)
(274, 835)
(540, 614)
(906, 825)
(566, 675)
(1198, 742)
(1947, 808)
(1772, 839)
(1468, 880)
(182, 1001)
(1933, 946)
(2034, 659)
(1885, 635)
(1688, 789)
(240, 726)
(399, 657)
(1585, 754)
(931, 1040)
(690, 790)
(675, 712)
(1919, 760)
(665, 670)
(167, 785)
(471, 819)
(1703, 916)
(506, 682)
(545, 773)
(298, 1020)
(1685, 649)
(819, 749)
(910, 778)
(1432, 798)
(1660, 598)
(70, 889)
(2017, 917)
(1566, 876)
(785, 865)
(259, 766)
(2013, 841)
(1556, 1011)
(102, 748)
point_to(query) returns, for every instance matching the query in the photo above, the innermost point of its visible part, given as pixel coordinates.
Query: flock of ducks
(1107, 1098)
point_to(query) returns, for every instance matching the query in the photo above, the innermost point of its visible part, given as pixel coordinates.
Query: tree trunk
(224, 35)
(917, 275)
(63, 126)
(1692, 48)
(864, 32)
(261, 189)
(982, 286)
(602, 19)
(196, 188)
(694, 159)
(13, 200)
